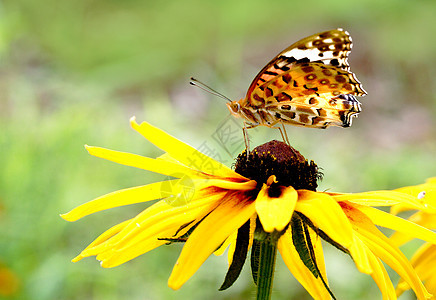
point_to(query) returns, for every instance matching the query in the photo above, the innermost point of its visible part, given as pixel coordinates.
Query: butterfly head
(234, 108)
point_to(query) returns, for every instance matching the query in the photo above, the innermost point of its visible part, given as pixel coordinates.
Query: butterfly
(307, 84)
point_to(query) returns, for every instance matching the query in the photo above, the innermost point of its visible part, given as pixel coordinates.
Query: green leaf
(299, 240)
(255, 260)
(239, 256)
(322, 234)
(303, 244)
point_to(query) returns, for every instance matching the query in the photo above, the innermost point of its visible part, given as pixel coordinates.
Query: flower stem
(268, 253)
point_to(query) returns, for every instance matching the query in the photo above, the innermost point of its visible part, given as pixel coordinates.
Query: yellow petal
(114, 257)
(96, 248)
(381, 278)
(424, 262)
(424, 219)
(293, 261)
(232, 249)
(360, 254)
(182, 152)
(232, 185)
(275, 212)
(210, 233)
(154, 165)
(250, 239)
(430, 284)
(143, 233)
(184, 190)
(381, 247)
(102, 238)
(148, 224)
(423, 192)
(176, 192)
(230, 240)
(387, 220)
(253, 220)
(326, 214)
(319, 253)
(170, 159)
(424, 256)
(421, 218)
(397, 261)
(402, 286)
(379, 198)
(115, 199)
(366, 262)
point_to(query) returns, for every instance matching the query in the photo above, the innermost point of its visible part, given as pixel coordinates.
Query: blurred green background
(74, 72)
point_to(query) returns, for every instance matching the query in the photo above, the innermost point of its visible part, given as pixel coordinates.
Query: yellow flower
(272, 195)
(424, 259)
(9, 282)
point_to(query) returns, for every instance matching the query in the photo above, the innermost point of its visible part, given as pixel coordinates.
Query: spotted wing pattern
(307, 84)
(330, 47)
(305, 80)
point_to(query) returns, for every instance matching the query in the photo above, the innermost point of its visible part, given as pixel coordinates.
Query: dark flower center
(283, 161)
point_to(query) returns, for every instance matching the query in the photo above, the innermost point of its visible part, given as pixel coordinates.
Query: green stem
(268, 253)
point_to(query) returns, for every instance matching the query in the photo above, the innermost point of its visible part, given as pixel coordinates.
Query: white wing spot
(281, 64)
(311, 54)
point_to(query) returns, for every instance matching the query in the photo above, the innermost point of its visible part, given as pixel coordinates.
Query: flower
(9, 282)
(270, 199)
(424, 259)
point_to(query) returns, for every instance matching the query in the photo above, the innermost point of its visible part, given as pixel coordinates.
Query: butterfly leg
(246, 138)
(285, 136)
(282, 132)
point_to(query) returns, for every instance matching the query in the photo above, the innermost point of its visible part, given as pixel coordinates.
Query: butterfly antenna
(206, 88)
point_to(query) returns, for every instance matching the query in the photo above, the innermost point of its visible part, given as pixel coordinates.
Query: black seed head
(283, 161)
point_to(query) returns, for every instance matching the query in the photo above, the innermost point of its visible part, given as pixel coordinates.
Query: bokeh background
(74, 72)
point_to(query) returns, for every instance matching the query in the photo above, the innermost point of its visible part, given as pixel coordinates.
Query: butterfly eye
(235, 107)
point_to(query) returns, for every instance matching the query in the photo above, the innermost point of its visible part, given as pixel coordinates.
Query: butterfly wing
(307, 84)
(313, 95)
(320, 111)
(306, 80)
(329, 48)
